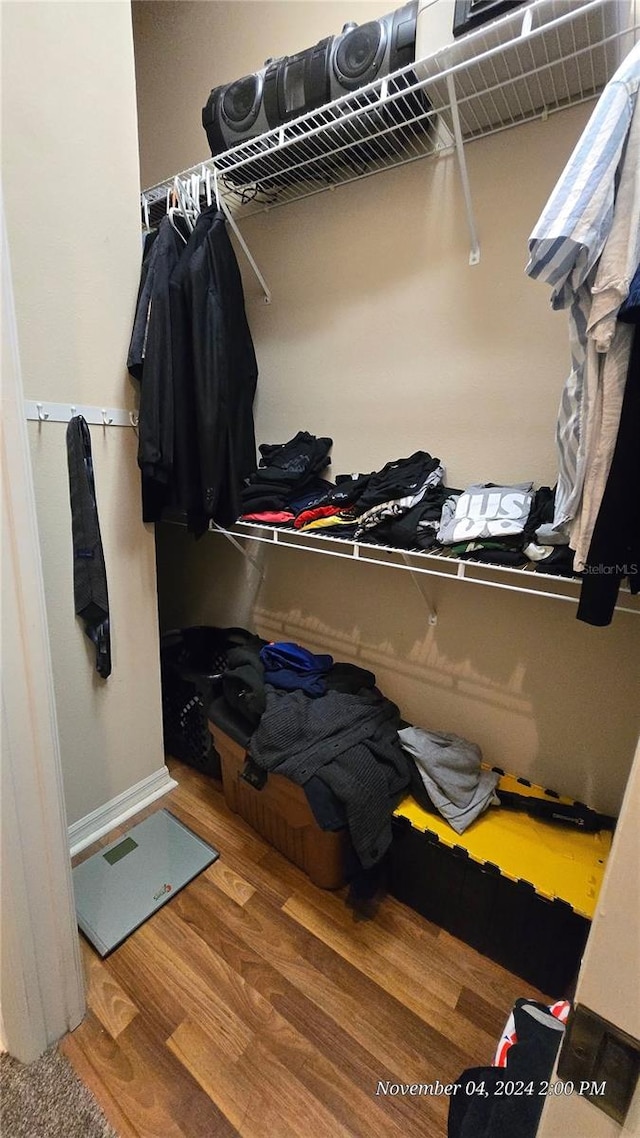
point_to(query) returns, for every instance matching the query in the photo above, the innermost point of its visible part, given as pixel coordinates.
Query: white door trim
(41, 983)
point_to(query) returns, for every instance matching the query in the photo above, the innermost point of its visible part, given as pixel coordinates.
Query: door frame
(41, 981)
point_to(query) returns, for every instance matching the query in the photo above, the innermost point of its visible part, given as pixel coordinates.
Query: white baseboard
(95, 825)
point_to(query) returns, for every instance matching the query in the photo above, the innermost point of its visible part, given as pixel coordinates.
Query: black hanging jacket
(150, 360)
(187, 486)
(192, 348)
(225, 374)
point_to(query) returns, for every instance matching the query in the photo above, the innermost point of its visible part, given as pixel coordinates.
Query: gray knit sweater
(351, 743)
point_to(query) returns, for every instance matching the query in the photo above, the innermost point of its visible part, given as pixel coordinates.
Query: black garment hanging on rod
(614, 552)
(192, 350)
(89, 570)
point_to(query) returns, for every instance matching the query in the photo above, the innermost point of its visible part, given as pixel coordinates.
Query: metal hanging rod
(40, 411)
(415, 562)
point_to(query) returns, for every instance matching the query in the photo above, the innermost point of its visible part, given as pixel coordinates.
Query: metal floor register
(118, 888)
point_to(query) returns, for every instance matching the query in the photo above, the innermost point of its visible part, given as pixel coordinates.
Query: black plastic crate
(542, 941)
(192, 661)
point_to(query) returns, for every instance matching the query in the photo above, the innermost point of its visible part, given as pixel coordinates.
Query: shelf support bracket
(245, 248)
(474, 255)
(416, 578)
(215, 528)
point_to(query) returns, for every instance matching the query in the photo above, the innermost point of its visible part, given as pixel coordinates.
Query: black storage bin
(192, 661)
(540, 940)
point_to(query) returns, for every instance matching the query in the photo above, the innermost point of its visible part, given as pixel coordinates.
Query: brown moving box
(281, 813)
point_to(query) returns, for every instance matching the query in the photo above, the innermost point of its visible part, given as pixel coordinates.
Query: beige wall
(70, 173)
(608, 982)
(381, 336)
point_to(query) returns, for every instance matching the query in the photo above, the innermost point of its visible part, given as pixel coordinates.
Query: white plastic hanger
(206, 178)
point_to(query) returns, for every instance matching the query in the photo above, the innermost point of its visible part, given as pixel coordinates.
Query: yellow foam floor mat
(558, 861)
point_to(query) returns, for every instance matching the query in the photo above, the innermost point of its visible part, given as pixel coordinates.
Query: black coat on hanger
(225, 375)
(192, 348)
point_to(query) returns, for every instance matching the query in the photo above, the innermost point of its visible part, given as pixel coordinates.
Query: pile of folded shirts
(504, 525)
(406, 505)
(287, 478)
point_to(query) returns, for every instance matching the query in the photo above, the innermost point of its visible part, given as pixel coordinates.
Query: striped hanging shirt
(564, 249)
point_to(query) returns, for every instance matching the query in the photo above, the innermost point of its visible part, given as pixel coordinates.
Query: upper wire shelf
(441, 564)
(539, 59)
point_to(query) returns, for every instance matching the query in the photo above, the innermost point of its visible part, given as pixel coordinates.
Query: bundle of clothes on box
(327, 727)
(406, 505)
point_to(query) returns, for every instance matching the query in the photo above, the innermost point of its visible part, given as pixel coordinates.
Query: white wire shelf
(539, 59)
(441, 564)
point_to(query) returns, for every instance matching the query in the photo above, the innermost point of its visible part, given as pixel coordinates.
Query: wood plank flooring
(256, 1004)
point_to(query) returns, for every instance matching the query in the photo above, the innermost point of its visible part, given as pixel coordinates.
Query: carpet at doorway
(46, 1099)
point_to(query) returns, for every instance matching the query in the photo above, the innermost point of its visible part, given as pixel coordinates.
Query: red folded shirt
(269, 517)
(318, 512)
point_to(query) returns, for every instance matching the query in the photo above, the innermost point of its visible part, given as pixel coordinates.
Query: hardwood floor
(257, 1004)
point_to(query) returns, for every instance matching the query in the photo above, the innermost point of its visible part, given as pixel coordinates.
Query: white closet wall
(70, 175)
(381, 336)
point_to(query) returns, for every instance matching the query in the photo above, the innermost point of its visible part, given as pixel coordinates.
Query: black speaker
(283, 89)
(288, 87)
(298, 83)
(237, 111)
(362, 54)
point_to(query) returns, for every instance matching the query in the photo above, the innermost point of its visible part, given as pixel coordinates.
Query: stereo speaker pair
(288, 87)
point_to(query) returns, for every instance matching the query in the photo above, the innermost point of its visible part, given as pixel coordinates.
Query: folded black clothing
(294, 462)
(398, 479)
(267, 496)
(349, 678)
(418, 527)
(348, 489)
(263, 503)
(559, 562)
(313, 495)
(508, 556)
(541, 512)
(271, 501)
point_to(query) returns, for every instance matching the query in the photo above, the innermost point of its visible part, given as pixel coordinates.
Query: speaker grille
(241, 102)
(359, 54)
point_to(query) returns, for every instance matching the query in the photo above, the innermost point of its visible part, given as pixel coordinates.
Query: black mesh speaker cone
(360, 54)
(241, 102)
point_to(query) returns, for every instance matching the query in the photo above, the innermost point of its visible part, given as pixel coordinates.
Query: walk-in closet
(375, 303)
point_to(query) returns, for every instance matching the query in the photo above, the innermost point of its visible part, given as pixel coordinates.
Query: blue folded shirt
(293, 668)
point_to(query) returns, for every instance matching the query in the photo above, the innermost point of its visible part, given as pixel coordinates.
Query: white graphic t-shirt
(486, 511)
